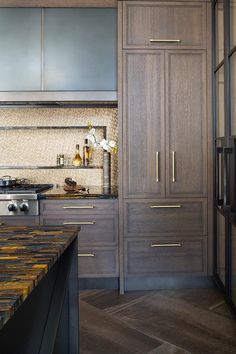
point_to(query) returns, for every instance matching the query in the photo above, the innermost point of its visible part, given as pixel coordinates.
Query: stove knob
(12, 207)
(24, 206)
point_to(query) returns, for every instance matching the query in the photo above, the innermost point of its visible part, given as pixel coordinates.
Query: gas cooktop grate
(25, 188)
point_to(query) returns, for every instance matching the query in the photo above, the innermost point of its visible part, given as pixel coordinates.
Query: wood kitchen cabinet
(165, 125)
(169, 24)
(98, 238)
(19, 221)
(143, 119)
(164, 130)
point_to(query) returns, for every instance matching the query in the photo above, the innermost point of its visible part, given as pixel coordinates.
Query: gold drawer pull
(79, 207)
(2, 223)
(157, 167)
(166, 245)
(79, 223)
(86, 255)
(155, 40)
(165, 206)
(173, 166)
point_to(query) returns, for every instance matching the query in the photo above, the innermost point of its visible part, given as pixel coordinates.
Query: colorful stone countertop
(26, 256)
(91, 192)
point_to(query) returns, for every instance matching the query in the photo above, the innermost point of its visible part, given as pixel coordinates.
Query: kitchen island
(39, 290)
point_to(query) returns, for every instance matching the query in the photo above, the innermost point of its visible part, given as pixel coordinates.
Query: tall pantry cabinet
(165, 135)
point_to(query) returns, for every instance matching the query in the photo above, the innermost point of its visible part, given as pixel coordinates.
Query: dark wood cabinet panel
(177, 24)
(98, 262)
(186, 124)
(24, 220)
(78, 207)
(143, 149)
(98, 237)
(167, 217)
(95, 229)
(175, 256)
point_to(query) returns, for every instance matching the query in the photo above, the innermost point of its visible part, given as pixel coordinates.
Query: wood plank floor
(194, 321)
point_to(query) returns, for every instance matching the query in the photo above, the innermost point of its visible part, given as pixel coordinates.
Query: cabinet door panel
(80, 49)
(164, 21)
(168, 217)
(20, 54)
(143, 124)
(186, 149)
(173, 256)
(98, 262)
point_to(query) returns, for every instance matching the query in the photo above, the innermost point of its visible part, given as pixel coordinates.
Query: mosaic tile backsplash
(41, 147)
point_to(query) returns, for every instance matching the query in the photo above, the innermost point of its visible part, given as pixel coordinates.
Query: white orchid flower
(112, 143)
(104, 144)
(92, 131)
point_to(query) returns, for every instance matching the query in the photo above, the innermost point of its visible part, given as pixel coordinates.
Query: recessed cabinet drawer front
(166, 217)
(154, 25)
(25, 221)
(75, 207)
(96, 229)
(166, 256)
(98, 262)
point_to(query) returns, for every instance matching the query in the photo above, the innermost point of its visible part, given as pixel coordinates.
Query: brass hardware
(173, 167)
(157, 166)
(166, 245)
(86, 255)
(165, 206)
(79, 223)
(2, 223)
(79, 207)
(154, 40)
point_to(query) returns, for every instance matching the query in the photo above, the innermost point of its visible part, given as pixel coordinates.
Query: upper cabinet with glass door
(20, 53)
(57, 50)
(80, 49)
(219, 31)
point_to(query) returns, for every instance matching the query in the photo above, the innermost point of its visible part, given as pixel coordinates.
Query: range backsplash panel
(41, 147)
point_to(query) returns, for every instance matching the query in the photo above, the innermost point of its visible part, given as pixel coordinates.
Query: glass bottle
(77, 160)
(86, 153)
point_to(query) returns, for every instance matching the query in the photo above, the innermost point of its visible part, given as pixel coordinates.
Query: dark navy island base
(39, 290)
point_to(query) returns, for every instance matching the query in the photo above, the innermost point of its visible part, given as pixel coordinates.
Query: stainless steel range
(21, 199)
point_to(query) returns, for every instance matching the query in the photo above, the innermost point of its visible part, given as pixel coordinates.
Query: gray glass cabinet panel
(80, 49)
(20, 48)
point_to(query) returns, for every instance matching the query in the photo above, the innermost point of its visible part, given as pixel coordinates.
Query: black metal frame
(228, 148)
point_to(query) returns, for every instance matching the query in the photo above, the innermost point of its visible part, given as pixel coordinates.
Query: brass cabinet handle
(156, 40)
(157, 166)
(79, 223)
(173, 166)
(86, 255)
(79, 207)
(2, 223)
(166, 245)
(165, 206)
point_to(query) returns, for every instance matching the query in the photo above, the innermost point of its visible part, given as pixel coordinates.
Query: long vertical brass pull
(157, 166)
(173, 167)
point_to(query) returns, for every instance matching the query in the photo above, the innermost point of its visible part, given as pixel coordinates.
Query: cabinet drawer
(95, 229)
(154, 25)
(78, 207)
(166, 217)
(166, 256)
(98, 262)
(14, 220)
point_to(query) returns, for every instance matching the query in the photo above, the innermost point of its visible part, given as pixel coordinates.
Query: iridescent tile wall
(41, 147)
